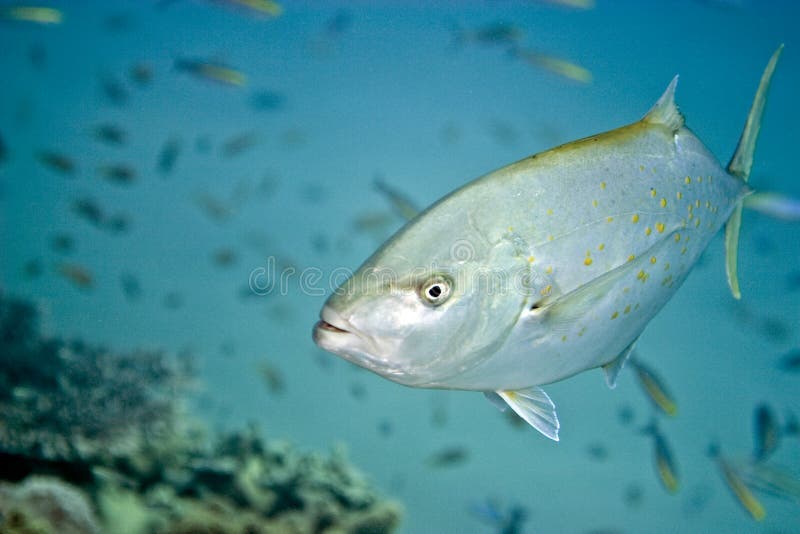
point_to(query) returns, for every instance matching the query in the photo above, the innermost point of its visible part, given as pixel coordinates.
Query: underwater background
(160, 160)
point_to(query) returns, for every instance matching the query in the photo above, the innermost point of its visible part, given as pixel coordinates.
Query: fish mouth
(331, 321)
(324, 325)
(335, 334)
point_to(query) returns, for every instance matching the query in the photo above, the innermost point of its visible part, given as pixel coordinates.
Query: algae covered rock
(121, 456)
(45, 505)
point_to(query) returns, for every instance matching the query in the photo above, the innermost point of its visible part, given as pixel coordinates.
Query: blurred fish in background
(183, 182)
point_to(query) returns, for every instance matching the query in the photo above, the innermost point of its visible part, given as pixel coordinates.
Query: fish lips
(335, 334)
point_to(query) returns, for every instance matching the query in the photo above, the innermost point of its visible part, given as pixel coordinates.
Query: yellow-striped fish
(654, 387)
(34, 14)
(666, 467)
(214, 71)
(737, 485)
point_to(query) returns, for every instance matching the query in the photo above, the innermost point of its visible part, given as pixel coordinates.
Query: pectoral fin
(536, 408)
(613, 367)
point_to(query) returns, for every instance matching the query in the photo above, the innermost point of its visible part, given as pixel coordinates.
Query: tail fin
(740, 166)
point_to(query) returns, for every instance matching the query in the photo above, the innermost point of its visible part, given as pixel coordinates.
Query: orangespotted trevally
(545, 268)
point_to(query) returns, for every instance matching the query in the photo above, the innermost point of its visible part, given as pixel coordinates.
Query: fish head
(436, 300)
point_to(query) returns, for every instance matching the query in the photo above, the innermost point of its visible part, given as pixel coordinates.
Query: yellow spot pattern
(587, 261)
(635, 218)
(602, 185)
(663, 202)
(648, 231)
(687, 180)
(546, 290)
(653, 259)
(614, 315)
(660, 227)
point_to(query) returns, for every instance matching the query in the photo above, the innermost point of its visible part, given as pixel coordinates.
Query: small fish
(3, 150)
(507, 521)
(775, 329)
(339, 23)
(114, 91)
(697, 500)
(358, 391)
(376, 223)
(57, 161)
(654, 387)
(320, 243)
(118, 22)
(439, 413)
(33, 14)
(117, 223)
(169, 155)
(562, 67)
(79, 275)
(141, 74)
(737, 486)
(224, 257)
(633, 495)
(62, 243)
(401, 204)
(448, 457)
(118, 173)
(577, 4)
(213, 207)
(239, 144)
(266, 100)
(32, 269)
(213, 71)
(626, 415)
(498, 33)
(450, 133)
(89, 210)
(272, 377)
(131, 287)
(385, 428)
(792, 425)
(37, 55)
(766, 432)
(503, 133)
(597, 451)
(110, 134)
(257, 7)
(666, 467)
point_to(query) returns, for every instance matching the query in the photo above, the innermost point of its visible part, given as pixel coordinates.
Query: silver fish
(547, 267)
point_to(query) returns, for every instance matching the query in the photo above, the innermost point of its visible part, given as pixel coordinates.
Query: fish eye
(435, 290)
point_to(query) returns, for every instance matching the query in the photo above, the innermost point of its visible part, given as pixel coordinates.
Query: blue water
(379, 96)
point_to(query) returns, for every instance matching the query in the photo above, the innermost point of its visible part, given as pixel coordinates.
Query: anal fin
(613, 367)
(536, 408)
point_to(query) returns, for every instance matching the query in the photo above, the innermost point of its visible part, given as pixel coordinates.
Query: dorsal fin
(665, 111)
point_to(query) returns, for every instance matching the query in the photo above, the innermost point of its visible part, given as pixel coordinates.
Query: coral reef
(94, 441)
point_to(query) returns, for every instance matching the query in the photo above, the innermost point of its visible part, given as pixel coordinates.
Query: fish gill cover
(184, 182)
